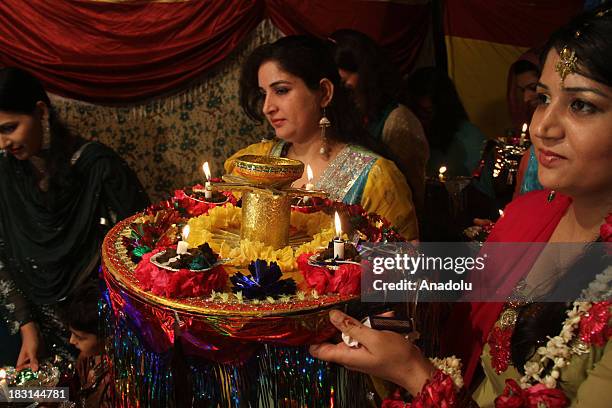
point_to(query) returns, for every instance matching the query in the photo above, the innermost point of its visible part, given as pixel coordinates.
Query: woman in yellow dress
(295, 85)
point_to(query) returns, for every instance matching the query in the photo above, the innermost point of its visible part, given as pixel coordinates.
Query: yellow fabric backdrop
(480, 72)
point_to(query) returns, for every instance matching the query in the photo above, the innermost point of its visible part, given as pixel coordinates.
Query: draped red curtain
(121, 52)
(400, 28)
(118, 52)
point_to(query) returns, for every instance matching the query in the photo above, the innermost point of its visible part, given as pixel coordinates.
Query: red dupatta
(529, 218)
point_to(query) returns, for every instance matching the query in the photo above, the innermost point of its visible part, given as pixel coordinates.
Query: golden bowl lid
(268, 169)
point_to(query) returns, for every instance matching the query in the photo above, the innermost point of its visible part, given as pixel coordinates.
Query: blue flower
(263, 281)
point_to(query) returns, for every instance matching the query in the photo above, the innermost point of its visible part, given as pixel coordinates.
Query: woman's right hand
(383, 354)
(30, 343)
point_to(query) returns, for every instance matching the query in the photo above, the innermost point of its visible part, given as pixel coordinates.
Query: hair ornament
(567, 64)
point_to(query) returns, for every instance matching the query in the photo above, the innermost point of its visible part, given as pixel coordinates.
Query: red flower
(512, 397)
(541, 396)
(594, 327)
(394, 400)
(316, 277)
(392, 403)
(536, 396)
(499, 343)
(183, 283)
(346, 280)
(438, 392)
(605, 231)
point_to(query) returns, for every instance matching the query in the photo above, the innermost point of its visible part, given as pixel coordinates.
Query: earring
(46, 139)
(323, 124)
(551, 196)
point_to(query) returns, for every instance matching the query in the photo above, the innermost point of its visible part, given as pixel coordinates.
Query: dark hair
(19, 93)
(522, 66)
(588, 35)
(311, 60)
(82, 310)
(378, 83)
(448, 111)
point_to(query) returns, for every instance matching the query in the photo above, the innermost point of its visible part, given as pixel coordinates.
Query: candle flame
(338, 224)
(2, 374)
(206, 170)
(309, 173)
(524, 128)
(442, 170)
(185, 232)
(501, 213)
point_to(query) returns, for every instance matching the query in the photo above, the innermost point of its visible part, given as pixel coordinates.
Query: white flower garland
(557, 350)
(599, 288)
(450, 366)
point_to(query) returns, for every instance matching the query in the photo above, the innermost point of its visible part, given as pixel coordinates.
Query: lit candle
(523, 134)
(309, 185)
(207, 186)
(182, 246)
(338, 242)
(441, 173)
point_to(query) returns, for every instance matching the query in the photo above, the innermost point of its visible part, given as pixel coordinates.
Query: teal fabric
(462, 155)
(530, 179)
(355, 194)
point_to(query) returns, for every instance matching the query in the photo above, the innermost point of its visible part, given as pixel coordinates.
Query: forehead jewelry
(567, 63)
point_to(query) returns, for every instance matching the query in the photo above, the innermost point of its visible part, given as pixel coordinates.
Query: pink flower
(594, 327)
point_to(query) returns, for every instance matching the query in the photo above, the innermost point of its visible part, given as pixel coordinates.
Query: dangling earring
(46, 139)
(551, 196)
(323, 124)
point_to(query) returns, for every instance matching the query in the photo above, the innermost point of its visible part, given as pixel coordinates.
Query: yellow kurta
(386, 191)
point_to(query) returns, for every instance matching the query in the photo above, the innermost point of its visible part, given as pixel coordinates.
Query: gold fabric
(386, 191)
(405, 139)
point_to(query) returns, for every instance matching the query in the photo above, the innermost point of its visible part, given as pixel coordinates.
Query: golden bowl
(268, 170)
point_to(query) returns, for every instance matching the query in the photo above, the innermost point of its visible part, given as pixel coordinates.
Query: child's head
(82, 320)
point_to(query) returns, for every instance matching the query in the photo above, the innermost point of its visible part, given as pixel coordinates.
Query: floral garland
(592, 321)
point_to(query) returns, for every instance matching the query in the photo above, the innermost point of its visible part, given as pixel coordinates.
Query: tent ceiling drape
(121, 52)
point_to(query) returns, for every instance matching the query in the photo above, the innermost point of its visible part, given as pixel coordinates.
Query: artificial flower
(178, 284)
(594, 327)
(264, 281)
(605, 231)
(536, 396)
(315, 277)
(499, 344)
(346, 280)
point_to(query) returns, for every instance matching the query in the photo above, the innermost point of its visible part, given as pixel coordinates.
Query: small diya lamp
(308, 203)
(201, 258)
(338, 250)
(209, 192)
